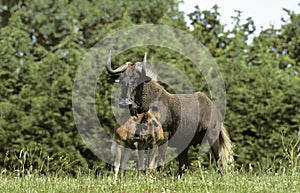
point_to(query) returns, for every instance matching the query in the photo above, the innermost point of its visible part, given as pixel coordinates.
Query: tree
(42, 45)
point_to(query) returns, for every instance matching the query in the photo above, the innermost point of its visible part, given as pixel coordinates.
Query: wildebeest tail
(225, 153)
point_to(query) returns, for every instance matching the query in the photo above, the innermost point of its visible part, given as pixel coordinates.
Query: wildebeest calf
(140, 132)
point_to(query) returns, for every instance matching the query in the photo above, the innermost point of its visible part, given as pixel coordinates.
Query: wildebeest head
(132, 78)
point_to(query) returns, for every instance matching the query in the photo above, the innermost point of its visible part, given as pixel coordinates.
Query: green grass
(283, 178)
(199, 180)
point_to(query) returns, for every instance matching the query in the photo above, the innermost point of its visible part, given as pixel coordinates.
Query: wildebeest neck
(146, 94)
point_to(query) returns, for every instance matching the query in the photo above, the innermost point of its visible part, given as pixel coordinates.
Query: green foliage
(261, 86)
(42, 43)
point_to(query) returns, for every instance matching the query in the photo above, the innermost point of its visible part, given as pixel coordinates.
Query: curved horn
(116, 71)
(144, 63)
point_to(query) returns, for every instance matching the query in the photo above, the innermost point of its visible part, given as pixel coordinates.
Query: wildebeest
(190, 119)
(142, 131)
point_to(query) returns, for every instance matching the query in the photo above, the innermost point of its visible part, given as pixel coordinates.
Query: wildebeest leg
(117, 160)
(215, 149)
(183, 161)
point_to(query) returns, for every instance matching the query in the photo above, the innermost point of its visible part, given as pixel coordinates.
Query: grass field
(199, 180)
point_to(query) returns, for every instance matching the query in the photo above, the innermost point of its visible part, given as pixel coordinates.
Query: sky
(263, 12)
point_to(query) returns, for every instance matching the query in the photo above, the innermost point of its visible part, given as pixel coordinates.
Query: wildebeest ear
(113, 79)
(144, 79)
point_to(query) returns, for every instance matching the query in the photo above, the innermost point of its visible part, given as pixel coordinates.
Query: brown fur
(150, 135)
(189, 117)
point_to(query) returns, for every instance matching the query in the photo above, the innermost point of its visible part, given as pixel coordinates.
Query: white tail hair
(225, 151)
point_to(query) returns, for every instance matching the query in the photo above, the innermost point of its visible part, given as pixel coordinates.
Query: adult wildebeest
(140, 132)
(190, 119)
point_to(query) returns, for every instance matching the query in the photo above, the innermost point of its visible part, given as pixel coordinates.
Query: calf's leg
(117, 160)
(141, 154)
